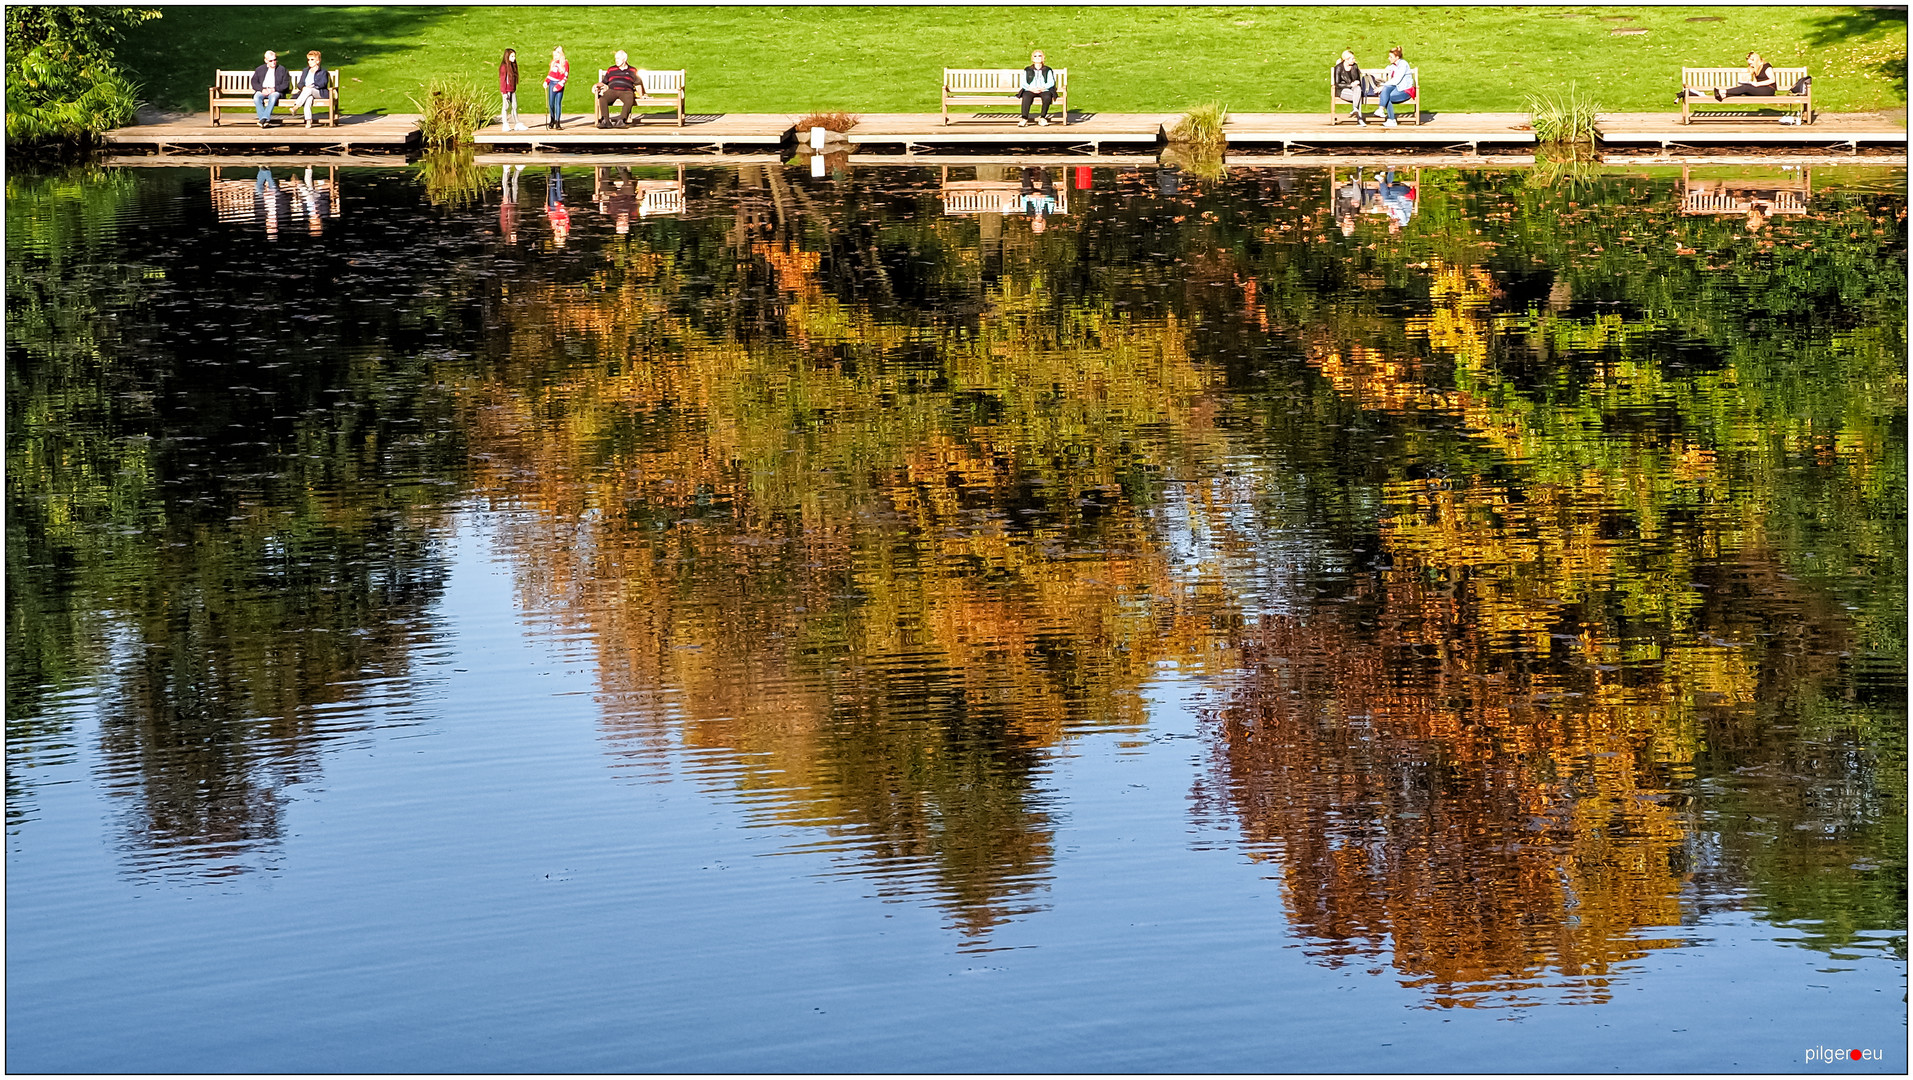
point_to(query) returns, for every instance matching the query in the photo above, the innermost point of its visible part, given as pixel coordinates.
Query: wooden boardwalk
(396, 132)
(1438, 130)
(1091, 131)
(1850, 130)
(713, 132)
(1443, 134)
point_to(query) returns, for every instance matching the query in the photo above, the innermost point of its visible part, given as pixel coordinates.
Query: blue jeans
(1388, 96)
(555, 101)
(263, 101)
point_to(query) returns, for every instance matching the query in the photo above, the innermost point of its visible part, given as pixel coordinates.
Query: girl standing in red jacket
(508, 91)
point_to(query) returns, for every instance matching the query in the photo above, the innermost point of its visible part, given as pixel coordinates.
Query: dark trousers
(613, 97)
(1027, 96)
(1748, 90)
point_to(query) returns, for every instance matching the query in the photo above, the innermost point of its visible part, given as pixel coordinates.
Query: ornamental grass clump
(1200, 129)
(1566, 117)
(838, 122)
(451, 112)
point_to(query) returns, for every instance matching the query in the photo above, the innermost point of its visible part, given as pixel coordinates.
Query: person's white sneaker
(1390, 122)
(1024, 122)
(1042, 121)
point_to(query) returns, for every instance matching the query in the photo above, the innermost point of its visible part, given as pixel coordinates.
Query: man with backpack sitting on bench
(620, 83)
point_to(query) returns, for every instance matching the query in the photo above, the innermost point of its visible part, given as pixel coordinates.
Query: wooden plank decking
(1752, 128)
(998, 128)
(709, 131)
(396, 132)
(1437, 129)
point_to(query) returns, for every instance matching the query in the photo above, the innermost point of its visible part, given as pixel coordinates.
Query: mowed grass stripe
(1120, 59)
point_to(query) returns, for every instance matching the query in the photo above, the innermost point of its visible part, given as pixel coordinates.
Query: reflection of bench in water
(1000, 196)
(1786, 194)
(303, 197)
(647, 197)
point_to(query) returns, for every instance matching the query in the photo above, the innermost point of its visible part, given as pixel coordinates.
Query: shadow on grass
(174, 56)
(1850, 24)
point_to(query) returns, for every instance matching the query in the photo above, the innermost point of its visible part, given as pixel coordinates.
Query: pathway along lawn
(1120, 59)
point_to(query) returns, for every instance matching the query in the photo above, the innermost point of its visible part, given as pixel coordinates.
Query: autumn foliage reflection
(878, 620)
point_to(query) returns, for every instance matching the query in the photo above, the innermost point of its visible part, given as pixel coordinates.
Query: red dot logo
(1854, 1054)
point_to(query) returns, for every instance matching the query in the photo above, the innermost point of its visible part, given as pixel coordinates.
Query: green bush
(64, 85)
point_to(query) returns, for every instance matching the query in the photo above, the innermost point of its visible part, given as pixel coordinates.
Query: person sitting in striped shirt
(621, 84)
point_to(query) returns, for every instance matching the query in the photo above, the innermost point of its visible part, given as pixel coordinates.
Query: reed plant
(451, 111)
(451, 178)
(1563, 117)
(1200, 129)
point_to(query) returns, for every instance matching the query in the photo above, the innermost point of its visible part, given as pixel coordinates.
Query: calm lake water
(1067, 619)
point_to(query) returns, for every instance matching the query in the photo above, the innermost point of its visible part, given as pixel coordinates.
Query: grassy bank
(1121, 59)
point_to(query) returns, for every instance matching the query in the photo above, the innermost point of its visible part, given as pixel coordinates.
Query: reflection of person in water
(508, 206)
(1350, 200)
(1758, 212)
(317, 201)
(1039, 197)
(555, 211)
(1397, 200)
(617, 196)
(273, 200)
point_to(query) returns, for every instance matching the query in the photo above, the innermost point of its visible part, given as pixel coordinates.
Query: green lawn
(1120, 59)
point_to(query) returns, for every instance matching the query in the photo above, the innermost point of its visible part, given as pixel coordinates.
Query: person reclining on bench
(1759, 82)
(621, 84)
(1039, 81)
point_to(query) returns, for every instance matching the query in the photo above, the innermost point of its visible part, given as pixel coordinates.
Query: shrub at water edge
(64, 85)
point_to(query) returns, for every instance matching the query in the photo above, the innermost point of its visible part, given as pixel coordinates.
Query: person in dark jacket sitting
(315, 82)
(269, 83)
(1345, 79)
(621, 84)
(1039, 84)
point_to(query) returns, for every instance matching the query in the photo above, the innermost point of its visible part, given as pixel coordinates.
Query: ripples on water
(1520, 591)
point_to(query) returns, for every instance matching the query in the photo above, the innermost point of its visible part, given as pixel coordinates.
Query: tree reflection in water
(1557, 538)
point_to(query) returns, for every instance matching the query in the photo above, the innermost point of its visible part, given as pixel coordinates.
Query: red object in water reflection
(1082, 178)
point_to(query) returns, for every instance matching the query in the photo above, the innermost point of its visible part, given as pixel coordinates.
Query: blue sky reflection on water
(484, 891)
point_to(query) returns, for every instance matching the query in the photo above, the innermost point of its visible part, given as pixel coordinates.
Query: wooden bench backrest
(240, 82)
(1728, 202)
(1727, 77)
(1001, 200)
(657, 82)
(991, 80)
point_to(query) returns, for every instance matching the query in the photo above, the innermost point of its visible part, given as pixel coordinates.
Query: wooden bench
(1336, 105)
(233, 90)
(660, 88)
(995, 86)
(1710, 79)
